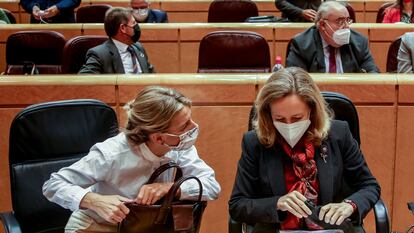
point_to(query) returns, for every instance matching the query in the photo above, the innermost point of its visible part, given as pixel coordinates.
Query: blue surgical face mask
(187, 139)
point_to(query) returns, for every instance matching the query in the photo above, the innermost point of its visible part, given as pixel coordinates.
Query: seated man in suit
(143, 13)
(122, 53)
(330, 46)
(298, 10)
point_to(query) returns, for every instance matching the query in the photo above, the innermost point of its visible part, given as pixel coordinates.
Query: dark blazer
(66, 9)
(260, 180)
(105, 59)
(306, 51)
(157, 16)
(292, 9)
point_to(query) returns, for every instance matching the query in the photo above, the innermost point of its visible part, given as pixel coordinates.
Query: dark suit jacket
(292, 9)
(306, 51)
(66, 9)
(260, 180)
(105, 59)
(157, 16)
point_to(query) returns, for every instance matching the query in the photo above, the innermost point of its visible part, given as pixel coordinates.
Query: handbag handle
(163, 168)
(166, 204)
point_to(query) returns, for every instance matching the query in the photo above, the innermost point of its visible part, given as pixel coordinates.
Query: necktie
(332, 59)
(134, 59)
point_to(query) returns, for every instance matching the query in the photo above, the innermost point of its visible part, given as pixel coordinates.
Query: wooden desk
(191, 11)
(385, 105)
(173, 47)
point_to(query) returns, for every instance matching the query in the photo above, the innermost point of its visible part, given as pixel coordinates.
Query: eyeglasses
(342, 22)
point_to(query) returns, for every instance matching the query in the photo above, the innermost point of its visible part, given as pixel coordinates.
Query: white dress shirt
(112, 168)
(126, 57)
(326, 54)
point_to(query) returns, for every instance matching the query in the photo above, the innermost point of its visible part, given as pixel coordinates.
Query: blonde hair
(285, 82)
(152, 111)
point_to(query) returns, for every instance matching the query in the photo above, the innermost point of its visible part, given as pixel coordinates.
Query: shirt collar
(148, 155)
(122, 47)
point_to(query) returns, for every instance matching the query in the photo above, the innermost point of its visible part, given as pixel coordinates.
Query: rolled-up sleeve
(69, 185)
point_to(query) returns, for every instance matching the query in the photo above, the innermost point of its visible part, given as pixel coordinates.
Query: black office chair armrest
(382, 224)
(10, 222)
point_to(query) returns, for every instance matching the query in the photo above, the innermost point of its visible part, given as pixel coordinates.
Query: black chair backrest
(92, 13)
(233, 51)
(341, 106)
(44, 138)
(224, 11)
(10, 16)
(392, 60)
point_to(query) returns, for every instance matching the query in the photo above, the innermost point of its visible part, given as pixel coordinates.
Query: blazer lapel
(320, 57)
(349, 64)
(116, 58)
(141, 59)
(274, 164)
(324, 164)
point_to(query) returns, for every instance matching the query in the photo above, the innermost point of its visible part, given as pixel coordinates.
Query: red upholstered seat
(75, 51)
(233, 51)
(231, 10)
(92, 13)
(41, 48)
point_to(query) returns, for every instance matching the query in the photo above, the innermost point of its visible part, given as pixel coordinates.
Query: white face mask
(187, 139)
(292, 133)
(341, 36)
(141, 14)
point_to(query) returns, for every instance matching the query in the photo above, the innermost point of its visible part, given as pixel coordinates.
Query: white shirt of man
(126, 57)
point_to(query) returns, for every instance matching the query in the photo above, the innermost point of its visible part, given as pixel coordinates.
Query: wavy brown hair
(286, 82)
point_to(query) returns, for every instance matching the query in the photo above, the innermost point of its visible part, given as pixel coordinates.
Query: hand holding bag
(168, 217)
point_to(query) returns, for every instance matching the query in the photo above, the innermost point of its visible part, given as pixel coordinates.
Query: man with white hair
(144, 14)
(331, 46)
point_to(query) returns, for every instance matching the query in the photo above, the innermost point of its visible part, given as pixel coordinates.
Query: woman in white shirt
(159, 129)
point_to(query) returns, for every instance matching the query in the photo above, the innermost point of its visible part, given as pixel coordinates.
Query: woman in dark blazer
(297, 153)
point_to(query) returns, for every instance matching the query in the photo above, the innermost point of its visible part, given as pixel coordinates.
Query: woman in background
(400, 11)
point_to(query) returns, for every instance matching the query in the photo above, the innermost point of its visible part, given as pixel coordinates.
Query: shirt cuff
(77, 197)
(189, 190)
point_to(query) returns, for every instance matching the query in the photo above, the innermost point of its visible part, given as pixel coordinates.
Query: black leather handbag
(168, 215)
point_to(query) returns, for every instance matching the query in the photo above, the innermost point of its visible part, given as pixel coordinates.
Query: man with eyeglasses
(144, 14)
(331, 46)
(121, 53)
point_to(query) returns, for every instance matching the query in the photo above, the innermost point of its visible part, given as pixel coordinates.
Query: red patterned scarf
(305, 170)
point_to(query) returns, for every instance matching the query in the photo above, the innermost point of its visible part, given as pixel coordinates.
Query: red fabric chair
(92, 13)
(233, 52)
(75, 50)
(392, 61)
(231, 11)
(30, 52)
(380, 14)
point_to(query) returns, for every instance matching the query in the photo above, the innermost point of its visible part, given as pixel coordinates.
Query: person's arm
(295, 56)
(404, 56)
(246, 203)
(358, 176)
(366, 60)
(288, 9)
(193, 165)
(28, 5)
(65, 5)
(93, 64)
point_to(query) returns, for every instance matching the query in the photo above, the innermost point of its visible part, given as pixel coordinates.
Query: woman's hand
(150, 193)
(335, 213)
(109, 207)
(294, 202)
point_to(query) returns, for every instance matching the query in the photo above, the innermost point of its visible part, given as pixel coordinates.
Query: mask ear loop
(42, 20)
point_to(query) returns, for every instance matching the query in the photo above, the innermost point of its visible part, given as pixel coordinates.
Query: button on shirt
(113, 168)
(126, 57)
(326, 57)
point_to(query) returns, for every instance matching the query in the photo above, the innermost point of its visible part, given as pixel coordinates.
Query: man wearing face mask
(159, 129)
(122, 53)
(331, 46)
(144, 14)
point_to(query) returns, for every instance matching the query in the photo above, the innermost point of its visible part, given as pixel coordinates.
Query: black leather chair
(233, 52)
(344, 110)
(225, 11)
(10, 16)
(392, 60)
(44, 138)
(92, 13)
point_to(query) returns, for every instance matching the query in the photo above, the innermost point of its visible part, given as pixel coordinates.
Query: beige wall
(221, 107)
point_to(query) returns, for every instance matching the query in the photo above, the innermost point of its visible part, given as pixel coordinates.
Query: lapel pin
(324, 152)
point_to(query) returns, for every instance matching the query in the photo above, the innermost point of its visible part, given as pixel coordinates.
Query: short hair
(152, 111)
(114, 17)
(325, 9)
(292, 80)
